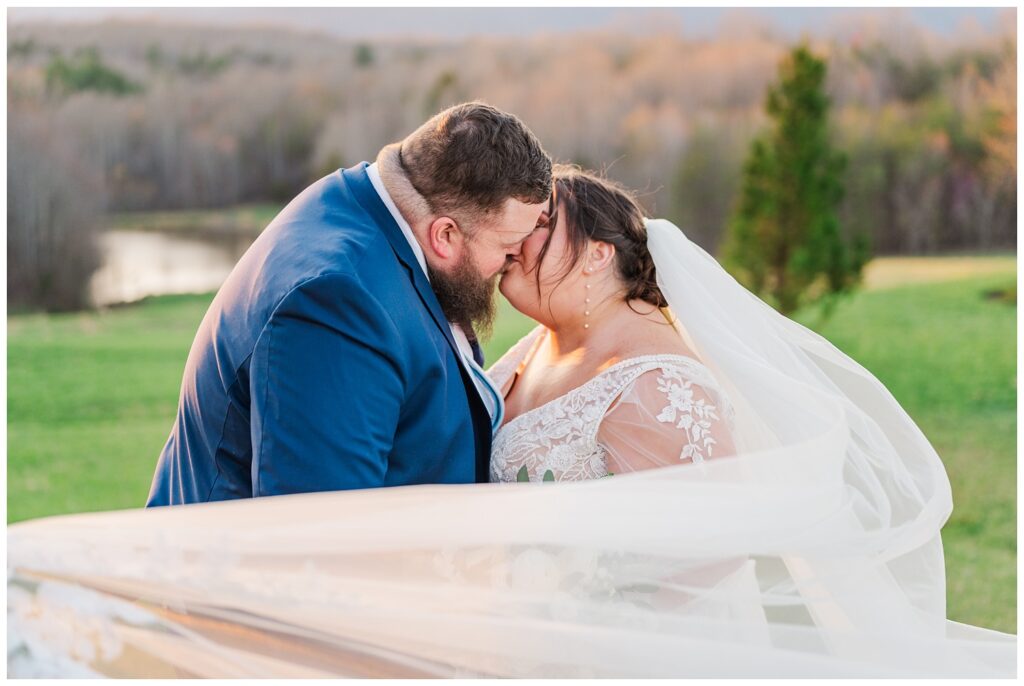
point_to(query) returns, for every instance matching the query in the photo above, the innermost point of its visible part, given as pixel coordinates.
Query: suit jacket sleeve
(326, 391)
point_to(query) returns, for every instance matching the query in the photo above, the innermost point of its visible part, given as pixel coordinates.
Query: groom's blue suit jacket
(324, 363)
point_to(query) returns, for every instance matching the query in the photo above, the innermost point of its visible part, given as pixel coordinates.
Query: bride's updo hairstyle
(600, 209)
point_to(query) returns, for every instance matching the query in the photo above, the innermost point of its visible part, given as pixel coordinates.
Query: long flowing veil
(813, 552)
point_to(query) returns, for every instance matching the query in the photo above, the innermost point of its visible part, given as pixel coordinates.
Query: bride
(605, 384)
(769, 510)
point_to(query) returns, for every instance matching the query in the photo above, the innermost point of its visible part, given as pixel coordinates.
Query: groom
(340, 352)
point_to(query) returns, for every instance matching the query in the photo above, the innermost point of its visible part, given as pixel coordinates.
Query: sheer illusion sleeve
(665, 417)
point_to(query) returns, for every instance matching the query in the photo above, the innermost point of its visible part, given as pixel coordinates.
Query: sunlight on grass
(890, 272)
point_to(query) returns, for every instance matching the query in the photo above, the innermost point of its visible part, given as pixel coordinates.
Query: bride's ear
(598, 257)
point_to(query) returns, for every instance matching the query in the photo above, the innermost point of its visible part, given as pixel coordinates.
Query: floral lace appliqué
(561, 436)
(693, 416)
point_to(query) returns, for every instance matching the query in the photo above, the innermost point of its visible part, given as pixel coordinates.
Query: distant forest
(143, 116)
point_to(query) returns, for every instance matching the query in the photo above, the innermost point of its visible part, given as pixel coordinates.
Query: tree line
(143, 116)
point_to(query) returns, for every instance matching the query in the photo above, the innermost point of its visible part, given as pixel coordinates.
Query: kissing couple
(343, 350)
(771, 511)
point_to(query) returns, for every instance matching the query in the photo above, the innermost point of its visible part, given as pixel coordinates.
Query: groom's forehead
(524, 219)
(517, 217)
(529, 211)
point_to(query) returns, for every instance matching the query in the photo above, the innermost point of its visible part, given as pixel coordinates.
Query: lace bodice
(642, 412)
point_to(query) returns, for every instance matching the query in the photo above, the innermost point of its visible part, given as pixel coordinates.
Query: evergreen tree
(784, 241)
(87, 72)
(364, 56)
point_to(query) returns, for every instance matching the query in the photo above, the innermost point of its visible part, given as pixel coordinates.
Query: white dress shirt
(493, 401)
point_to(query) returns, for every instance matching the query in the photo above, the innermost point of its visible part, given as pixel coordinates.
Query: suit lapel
(357, 180)
(366, 194)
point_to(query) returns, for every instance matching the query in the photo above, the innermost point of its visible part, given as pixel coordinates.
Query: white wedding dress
(639, 413)
(793, 531)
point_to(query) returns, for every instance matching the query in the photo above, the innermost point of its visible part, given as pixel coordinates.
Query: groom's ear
(445, 238)
(599, 255)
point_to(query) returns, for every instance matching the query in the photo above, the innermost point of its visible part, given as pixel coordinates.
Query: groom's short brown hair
(471, 158)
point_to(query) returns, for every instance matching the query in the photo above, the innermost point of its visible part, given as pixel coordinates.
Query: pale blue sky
(356, 22)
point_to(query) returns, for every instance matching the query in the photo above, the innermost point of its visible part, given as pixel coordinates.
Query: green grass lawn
(948, 355)
(91, 399)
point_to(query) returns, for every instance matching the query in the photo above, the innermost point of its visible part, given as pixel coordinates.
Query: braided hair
(600, 209)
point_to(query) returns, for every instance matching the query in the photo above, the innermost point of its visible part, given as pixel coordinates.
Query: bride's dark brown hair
(601, 210)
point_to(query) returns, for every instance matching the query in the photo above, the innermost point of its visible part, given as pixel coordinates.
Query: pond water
(136, 264)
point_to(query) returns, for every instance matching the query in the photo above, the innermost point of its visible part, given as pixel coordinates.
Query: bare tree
(231, 116)
(54, 205)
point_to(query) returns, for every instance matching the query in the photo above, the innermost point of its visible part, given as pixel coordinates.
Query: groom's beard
(466, 297)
